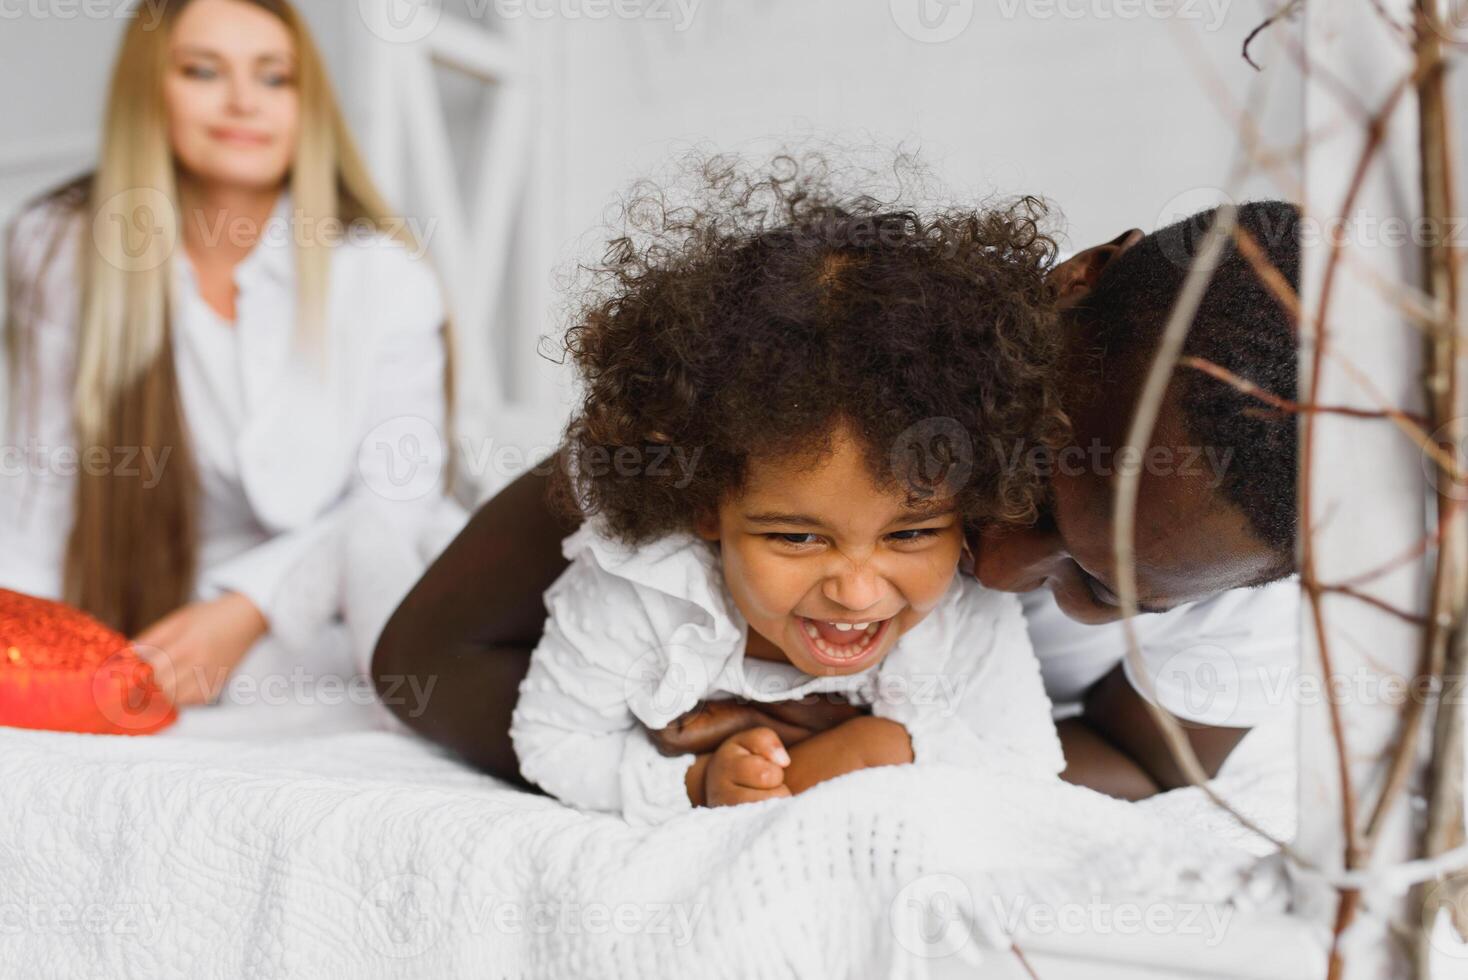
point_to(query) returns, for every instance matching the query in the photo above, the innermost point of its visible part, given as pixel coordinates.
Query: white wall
(1089, 103)
(1102, 115)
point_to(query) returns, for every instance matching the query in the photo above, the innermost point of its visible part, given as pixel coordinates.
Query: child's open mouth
(842, 644)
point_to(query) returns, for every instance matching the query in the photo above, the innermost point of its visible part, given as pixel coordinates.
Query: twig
(1390, 21)
(1014, 948)
(1285, 294)
(1247, 387)
(1441, 376)
(1251, 140)
(1423, 544)
(1309, 579)
(1406, 299)
(1371, 600)
(1149, 403)
(1406, 422)
(1268, 22)
(1445, 644)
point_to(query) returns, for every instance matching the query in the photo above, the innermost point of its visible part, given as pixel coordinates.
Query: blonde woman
(200, 337)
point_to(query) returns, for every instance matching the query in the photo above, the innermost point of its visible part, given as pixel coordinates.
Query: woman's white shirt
(638, 636)
(282, 438)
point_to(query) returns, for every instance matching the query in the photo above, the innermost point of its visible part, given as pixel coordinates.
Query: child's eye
(793, 538)
(913, 534)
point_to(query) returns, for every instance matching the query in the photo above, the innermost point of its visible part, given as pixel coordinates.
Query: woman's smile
(240, 137)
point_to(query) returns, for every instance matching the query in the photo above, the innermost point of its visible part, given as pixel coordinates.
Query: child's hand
(748, 767)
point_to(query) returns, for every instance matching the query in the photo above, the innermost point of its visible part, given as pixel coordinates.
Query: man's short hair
(1241, 326)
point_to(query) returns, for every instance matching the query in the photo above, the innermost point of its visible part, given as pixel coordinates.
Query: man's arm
(1115, 746)
(468, 626)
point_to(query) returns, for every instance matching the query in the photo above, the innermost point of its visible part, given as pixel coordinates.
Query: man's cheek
(1009, 562)
(1077, 602)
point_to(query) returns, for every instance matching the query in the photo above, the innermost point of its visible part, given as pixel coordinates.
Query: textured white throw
(369, 854)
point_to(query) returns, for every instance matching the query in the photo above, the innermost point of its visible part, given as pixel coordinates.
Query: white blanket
(365, 854)
(296, 831)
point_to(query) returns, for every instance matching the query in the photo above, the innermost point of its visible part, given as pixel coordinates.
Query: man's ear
(1074, 278)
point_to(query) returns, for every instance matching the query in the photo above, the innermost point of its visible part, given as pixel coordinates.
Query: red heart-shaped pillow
(62, 670)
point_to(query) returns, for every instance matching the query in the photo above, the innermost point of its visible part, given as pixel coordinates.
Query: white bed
(315, 839)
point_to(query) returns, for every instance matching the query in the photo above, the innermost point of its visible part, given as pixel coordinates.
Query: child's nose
(856, 588)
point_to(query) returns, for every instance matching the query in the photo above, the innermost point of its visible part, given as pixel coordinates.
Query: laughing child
(795, 407)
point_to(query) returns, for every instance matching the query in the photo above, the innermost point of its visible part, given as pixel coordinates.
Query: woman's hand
(193, 649)
(712, 723)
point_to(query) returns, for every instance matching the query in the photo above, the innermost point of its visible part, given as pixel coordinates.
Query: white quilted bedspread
(367, 853)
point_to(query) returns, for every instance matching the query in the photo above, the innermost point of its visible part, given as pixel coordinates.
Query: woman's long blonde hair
(132, 552)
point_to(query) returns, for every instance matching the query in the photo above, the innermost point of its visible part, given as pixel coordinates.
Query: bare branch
(1371, 600)
(1149, 403)
(1247, 387)
(1030, 970)
(1268, 22)
(1424, 544)
(1309, 578)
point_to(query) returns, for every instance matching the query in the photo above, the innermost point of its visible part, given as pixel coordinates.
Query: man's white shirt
(1227, 661)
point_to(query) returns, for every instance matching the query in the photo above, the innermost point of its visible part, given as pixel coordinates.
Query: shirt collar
(273, 256)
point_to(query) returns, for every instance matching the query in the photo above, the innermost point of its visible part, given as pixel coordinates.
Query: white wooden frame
(477, 235)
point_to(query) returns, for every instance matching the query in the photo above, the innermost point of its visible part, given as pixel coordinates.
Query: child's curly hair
(755, 323)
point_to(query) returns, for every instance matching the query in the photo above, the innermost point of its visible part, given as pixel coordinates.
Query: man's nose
(1016, 559)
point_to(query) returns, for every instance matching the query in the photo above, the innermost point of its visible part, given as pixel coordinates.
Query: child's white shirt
(638, 636)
